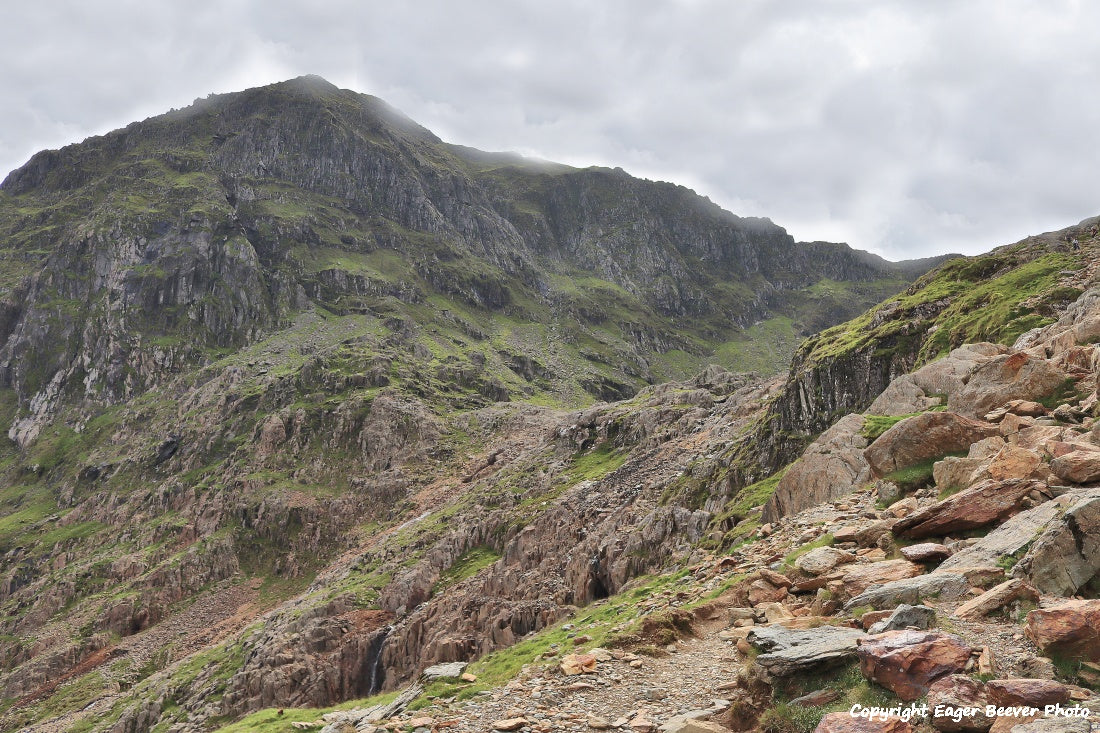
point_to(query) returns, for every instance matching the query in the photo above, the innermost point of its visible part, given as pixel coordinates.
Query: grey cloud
(905, 128)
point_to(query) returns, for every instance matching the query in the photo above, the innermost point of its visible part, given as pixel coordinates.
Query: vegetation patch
(467, 565)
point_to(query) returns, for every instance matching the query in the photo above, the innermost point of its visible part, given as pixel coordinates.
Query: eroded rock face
(907, 662)
(924, 437)
(1066, 555)
(830, 467)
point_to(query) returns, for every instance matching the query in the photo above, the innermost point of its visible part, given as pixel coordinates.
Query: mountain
(181, 239)
(302, 399)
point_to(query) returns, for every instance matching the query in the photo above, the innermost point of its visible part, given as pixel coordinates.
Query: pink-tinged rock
(908, 662)
(1013, 462)
(1017, 376)
(997, 598)
(925, 552)
(573, 664)
(858, 578)
(829, 467)
(1079, 466)
(761, 591)
(958, 692)
(984, 503)
(843, 722)
(1070, 628)
(922, 438)
(1033, 693)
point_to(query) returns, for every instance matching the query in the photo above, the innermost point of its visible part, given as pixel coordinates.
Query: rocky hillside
(303, 401)
(948, 583)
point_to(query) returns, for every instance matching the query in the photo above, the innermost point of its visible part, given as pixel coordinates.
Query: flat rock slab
(997, 598)
(908, 662)
(948, 586)
(904, 617)
(984, 503)
(1036, 693)
(789, 651)
(448, 669)
(1008, 539)
(926, 552)
(858, 578)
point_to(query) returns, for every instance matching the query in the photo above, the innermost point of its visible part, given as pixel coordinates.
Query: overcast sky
(906, 128)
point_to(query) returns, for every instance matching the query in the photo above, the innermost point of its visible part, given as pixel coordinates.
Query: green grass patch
(876, 425)
(271, 720)
(467, 565)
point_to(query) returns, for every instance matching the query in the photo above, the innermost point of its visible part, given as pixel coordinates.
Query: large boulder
(1079, 466)
(1010, 539)
(949, 375)
(902, 397)
(955, 695)
(1066, 555)
(854, 579)
(1030, 692)
(789, 651)
(908, 662)
(1016, 376)
(945, 586)
(821, 560)
(924, 437)
(1070, 628)
(832, 466)
(985, 503)
(906, 617)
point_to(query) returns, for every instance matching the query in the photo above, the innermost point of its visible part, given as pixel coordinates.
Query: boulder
(789, 651)
(1014, 462)
(448, 669)
(926, 552)
(902, 397)
(946, 586)
(1069, 628)
(1017, 376)
(904, 617)
(832, 466)
(907, 662)
(950, 374)
(1034, 693)
(922, 438)
(996, 598)
(1066, 555)
(965, 697)
(984, 503)
(822, 559)
(843, 722)
(858, 578)
(956, 472)
(574, 664)
(1079, 466)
